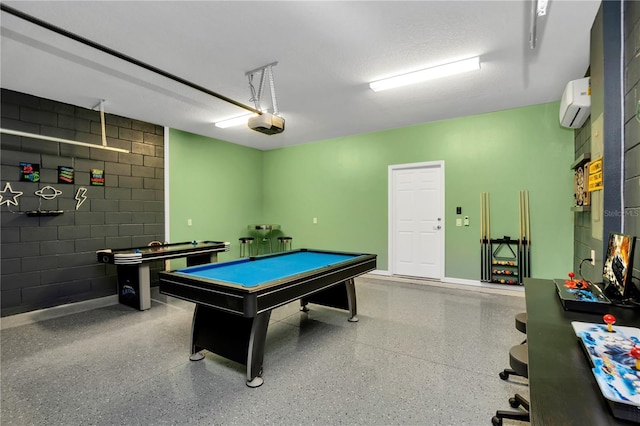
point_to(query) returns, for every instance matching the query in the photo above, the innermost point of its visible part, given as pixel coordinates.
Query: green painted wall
(216, 184)
(343, 183)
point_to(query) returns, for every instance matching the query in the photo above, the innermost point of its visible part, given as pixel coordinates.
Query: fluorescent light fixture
(234, 121)
(439, 71)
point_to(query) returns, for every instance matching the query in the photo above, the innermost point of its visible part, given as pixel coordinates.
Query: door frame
(391, 204)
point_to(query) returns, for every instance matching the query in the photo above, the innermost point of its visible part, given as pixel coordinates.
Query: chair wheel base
(504, 375)
(496, 421)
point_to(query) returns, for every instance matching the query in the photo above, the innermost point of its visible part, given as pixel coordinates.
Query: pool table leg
(234, 337)
(341, 296)
(255, 353)
(195, 354)
(351, 299)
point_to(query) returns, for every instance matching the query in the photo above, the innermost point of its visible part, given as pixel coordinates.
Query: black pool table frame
(232, 321)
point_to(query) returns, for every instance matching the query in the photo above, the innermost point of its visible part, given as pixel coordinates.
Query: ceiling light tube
(445, 70)
(541, 7)
(234, 121)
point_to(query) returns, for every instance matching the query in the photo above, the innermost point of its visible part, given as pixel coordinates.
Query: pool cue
(485, 241)
(528, 236)
(481, 237)
(489, 253)
(520, 236)
(525, 241)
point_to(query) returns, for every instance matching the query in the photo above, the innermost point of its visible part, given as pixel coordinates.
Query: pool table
(234, 299)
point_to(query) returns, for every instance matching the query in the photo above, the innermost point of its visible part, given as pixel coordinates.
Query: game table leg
(232, 336)
(351, 299)
(202, 259)
(134, 285)
(341, 296)
(144, 278)
(255, 352)
(195, 355)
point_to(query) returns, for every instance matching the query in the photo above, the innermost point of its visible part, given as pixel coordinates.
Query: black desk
(562, 387)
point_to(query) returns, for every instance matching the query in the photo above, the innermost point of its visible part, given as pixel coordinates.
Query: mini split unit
(575, 105)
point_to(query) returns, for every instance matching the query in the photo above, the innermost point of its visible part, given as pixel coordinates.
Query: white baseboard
(459, 283)
(380, 272)
(56, 311)
(474, 283)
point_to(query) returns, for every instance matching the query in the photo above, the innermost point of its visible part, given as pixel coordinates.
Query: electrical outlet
(593, 257)
(466, 221)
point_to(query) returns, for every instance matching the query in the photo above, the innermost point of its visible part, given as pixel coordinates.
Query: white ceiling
(327, 52)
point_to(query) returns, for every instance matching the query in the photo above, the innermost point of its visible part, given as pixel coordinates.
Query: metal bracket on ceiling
(264, 71)
(102, 125)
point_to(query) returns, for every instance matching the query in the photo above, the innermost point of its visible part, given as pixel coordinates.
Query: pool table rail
(251, 301)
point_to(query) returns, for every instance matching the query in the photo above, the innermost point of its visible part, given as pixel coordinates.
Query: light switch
(458, 222)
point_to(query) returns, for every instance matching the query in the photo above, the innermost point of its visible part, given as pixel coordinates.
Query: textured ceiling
(327, 52)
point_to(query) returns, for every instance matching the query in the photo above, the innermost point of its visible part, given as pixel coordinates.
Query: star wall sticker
(13, 199)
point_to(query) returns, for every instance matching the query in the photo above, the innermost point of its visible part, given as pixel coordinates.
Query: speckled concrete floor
(420, 355)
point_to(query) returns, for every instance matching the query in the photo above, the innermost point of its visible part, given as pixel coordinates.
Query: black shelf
(581, 160)
(38, 213)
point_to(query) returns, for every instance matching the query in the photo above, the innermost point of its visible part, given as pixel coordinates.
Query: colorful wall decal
(13, 199)
(30, 172)
(96, 177)
(81, 196)
(48, 192)
(65, 174)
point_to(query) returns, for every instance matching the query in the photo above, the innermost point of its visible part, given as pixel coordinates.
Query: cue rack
(505, 260)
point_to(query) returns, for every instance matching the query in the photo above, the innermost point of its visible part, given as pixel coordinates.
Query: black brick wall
(632, 127)
(631, 154)
(48, 261)
(583, 241)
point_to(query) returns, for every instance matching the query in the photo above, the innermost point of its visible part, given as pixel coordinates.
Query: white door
(416, 237)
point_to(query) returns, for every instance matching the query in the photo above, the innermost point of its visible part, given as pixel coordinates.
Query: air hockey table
(134, 278)
(234, 299)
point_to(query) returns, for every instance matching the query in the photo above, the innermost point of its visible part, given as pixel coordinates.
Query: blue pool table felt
(252, 273)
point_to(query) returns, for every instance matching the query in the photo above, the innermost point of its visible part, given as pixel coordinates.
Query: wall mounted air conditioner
(575, 105)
